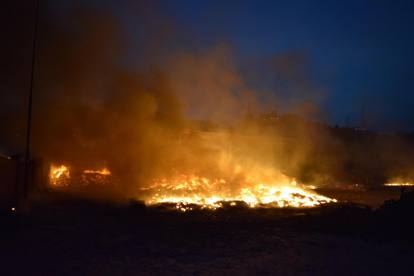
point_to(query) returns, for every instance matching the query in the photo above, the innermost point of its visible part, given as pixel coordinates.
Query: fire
(187, 190)
(93, 177)
(104, 171)
(59, 175)
(397, 184)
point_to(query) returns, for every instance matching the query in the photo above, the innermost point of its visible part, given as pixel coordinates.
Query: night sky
(361, 52)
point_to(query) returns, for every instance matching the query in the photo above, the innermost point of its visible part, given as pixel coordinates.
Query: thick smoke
(146, 107)
(181, 114)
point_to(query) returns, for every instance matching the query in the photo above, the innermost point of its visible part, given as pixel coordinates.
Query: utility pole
(29, 109)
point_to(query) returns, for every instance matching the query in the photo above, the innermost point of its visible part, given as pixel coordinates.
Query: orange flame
(184, 191)
(59, 175)
(103, 171)
(399, 184)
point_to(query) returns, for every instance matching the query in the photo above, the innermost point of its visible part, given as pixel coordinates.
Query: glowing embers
(397, 184)
(104, 171)
(189, 191)
(59, 176)
(90, 177)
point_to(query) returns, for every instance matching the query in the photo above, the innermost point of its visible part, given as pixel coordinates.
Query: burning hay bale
(62, 176)
(59, 176)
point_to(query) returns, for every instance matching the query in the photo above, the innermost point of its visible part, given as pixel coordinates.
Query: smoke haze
(174, 109)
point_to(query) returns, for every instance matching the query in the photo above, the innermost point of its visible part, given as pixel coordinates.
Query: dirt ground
(85, 238)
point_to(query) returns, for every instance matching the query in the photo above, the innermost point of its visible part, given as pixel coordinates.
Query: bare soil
(80, 237)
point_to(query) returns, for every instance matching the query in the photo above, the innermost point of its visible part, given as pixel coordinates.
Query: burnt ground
(79, 237)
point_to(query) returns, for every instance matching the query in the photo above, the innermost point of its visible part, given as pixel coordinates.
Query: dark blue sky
(361, 52)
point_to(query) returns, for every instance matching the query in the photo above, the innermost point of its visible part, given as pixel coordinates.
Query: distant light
(13, 209)
(5, 156)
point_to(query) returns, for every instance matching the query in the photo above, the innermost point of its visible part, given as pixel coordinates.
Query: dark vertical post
(29, 111)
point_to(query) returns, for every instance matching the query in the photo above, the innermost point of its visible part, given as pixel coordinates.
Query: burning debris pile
(89, 177)
(60, 176)
(186, 191)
